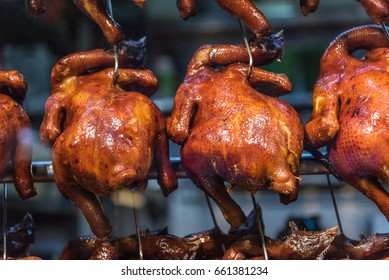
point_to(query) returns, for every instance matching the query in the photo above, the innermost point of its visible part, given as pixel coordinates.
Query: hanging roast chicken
(377, 10)
(15, 133)
(95, 10)
(104, 130)
(231, 132)
(241, 9)
(351, 111)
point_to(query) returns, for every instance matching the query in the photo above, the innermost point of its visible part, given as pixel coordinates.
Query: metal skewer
(260, 227)
(214, 219)
(385, 30)
(211, 211)
(5, 196)
(136, 220)
(115, 47)
(334, 204)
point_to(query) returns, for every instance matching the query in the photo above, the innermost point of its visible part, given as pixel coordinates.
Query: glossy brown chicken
(377, 10)
(104, 135)
(308, 6)
(19, 237)
(241, 9)
(296, 245)
(231, 132)
(371, 247)
(15, 133)
(95, 10)
(155, 246)
(35, 7)
(350, 111)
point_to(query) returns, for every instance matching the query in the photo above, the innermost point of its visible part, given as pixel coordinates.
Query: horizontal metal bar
(43, 170)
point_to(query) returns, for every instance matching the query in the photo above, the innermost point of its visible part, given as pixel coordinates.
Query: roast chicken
(19, 237)
(230, 132)
(350, 111)
(156, 245)
(296, 245)
(35, 7)
(95, 10)
(15, 133)
(104, 130)
(241, 9)
(371, 247)
(308, 6)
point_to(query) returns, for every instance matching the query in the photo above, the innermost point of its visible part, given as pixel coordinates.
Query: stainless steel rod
(42, 171)
(5, 197)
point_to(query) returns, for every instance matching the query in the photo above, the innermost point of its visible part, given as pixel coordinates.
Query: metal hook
(385, 30)
(334, 204)
(115, 48)
(5, 196)
(137, 226)
(260, 227)
(213, 218)
(246, 42)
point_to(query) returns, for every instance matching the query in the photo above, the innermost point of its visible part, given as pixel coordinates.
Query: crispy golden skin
(103, 135)
(15, 133)
(377, 10)
(350, 111)
(231, 132)
(241, 9)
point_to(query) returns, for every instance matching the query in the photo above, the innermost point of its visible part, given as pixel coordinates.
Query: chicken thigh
(104, 134)
(350, 111)
(231, 132)
(15, 133)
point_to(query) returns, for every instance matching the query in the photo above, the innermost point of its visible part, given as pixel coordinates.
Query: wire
(335, 204)
(5, 196)
(246, 42)
(115, 47)
(260, 227)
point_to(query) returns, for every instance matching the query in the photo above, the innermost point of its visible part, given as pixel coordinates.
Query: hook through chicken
(115, 47)
(116, 73)
(246, 42)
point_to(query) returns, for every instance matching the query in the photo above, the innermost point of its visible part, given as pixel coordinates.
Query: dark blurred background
(33, 45)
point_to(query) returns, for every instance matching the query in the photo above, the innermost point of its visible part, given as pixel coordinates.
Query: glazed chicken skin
(296, 245)
(241, 9)
(231, 132)
(350, 111)
(15, 133)
(377, 10)
(104, 135)
(95, 10)
(308, 6)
